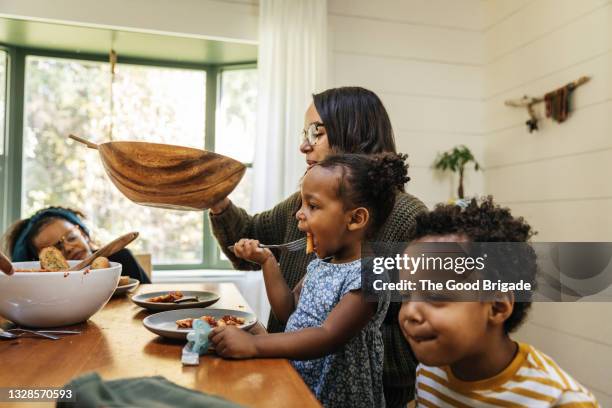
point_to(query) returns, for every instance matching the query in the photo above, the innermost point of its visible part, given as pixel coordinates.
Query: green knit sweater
(279, 225)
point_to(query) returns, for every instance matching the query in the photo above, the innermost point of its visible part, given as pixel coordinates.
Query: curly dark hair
(369, 181)
(485, 221)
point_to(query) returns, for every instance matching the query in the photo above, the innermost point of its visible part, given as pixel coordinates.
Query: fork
(187, 299)
(46, 331)
(292, 246)
(10, 335)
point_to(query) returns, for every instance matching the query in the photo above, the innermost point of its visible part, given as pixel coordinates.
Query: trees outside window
(150, 103)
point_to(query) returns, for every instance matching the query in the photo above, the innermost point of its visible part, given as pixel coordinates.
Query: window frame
(11, 188)
(5, 150)
(216, 255)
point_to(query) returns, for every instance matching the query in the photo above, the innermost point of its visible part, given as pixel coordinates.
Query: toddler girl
(332, 333)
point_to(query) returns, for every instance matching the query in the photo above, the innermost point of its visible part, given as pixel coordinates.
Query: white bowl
(51, 299)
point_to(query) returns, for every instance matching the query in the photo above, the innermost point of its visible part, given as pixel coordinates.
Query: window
(3, 134)
(150, 103)
(236, 128)
(3, 62)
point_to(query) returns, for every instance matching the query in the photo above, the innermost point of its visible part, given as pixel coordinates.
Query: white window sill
(197, 275)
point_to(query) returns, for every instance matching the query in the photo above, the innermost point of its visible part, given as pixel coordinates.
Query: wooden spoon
(106, 250)
(5, 265)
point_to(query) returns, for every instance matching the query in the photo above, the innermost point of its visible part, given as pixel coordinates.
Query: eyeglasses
(71, 237)
(311, 134)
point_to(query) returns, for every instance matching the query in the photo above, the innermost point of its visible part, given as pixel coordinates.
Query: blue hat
(24, 249)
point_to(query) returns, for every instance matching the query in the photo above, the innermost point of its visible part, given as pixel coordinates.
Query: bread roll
(100, 263)
(53, 260)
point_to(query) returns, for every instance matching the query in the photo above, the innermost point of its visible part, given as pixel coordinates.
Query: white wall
(557, 178)
(427, 67)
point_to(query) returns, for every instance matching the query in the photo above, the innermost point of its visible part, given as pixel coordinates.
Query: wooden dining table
(115, 344)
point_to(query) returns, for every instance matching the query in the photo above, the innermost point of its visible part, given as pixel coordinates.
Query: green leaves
(455, 160)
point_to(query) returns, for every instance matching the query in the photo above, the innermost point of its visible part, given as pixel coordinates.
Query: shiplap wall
(559, 177)
(425, 61)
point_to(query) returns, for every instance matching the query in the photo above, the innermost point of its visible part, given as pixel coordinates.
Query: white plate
(205, 298)
(121, 290)
(164, 323)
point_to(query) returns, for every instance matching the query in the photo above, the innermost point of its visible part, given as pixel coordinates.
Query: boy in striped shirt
(467, 358)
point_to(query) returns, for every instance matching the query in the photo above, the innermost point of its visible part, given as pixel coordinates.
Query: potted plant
(455, 160)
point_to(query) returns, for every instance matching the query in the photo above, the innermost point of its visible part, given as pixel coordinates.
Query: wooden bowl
(167, 176)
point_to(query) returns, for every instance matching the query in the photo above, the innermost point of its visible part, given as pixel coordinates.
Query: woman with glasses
(339, 120)
(64, 229)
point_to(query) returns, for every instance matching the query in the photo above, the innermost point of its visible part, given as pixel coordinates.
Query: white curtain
(292, 65)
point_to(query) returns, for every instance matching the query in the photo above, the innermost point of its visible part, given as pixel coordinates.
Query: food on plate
(309, 243)
(227, 320)
(168, 298)
(52, 259)
(100, 263)
(123, 280)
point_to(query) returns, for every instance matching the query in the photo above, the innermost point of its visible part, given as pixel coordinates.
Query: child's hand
(248, 249)
(231, 342)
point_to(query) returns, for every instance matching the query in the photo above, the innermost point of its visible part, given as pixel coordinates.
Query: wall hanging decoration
(455, 160)
(558, 103)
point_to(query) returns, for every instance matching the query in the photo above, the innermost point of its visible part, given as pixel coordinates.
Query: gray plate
(164, 323)
(122, 290)
(205, 299)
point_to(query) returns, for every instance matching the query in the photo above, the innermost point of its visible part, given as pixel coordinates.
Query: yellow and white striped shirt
(532, 379)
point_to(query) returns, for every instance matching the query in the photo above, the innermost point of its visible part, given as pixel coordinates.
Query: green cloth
(150, 392)
(279, 225)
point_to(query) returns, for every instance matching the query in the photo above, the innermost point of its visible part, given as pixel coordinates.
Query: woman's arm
(349, 316)
(234, 223)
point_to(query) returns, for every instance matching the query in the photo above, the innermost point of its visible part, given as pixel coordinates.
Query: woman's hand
(231, 342)
(220, 206)
(248, 249)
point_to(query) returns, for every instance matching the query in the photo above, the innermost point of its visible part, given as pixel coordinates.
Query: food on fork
(52, 259)
(168, 298)
(309, 243)
(227, 320)
(100, 263)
